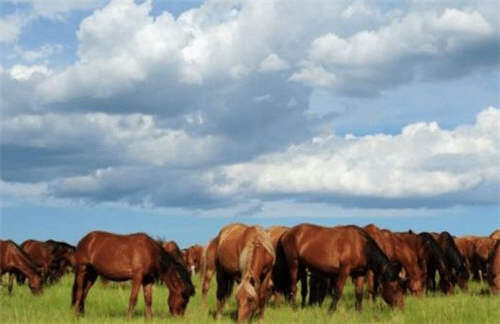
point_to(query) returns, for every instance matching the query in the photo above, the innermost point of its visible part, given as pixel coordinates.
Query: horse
(401, 254)
(275, 233)
(339, 252)
(431, 257)
(467, 249)
(193, 257)
(135, 257)
(41, 254)
(495, 234)
(208, 267)
(494, 269)
(14, 260)
(245, 254)
(455, 261)
(64, 257)
(483, 248)
(175, 252)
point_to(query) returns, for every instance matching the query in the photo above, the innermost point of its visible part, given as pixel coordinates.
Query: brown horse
(495, 234)
(431, 257)
(275, 233)
(175, 252)
(193, 257)
(135, 257)
(208, 267)
(401, 254)
(64, 257)
(483, 248)
(245, 254)
(41, 254)
(455, 261)
(14, 260)
(467, 249)
(338, 253)
(494, 269)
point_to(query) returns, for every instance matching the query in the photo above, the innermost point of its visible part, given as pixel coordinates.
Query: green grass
(109, 305)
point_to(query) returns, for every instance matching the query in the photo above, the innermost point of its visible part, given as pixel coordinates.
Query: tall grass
(109, 305)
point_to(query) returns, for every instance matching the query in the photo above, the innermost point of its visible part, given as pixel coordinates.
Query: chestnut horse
(64, 257)
(339, 252)
(455, 261)
(245, 254)
(14, 260)
(494, 269)
(193, 257)
(135, 257)
(483, 248)
(41, 254)
(208, 267)
(401, 254)
(430, 256)
(467, 249)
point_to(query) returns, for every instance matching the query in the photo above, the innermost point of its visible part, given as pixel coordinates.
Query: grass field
(109, 305)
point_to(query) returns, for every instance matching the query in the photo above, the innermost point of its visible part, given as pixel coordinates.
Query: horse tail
(281, 273)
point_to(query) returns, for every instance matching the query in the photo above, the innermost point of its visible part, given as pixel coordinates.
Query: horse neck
(378, 261)
(25, 265)
(435, 253)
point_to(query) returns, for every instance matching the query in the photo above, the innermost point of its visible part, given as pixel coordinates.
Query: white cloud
(273, 63)
(315, 76)
(422, 162)
(11, 27)
(27, 72)
(40, 54)
(54, 8)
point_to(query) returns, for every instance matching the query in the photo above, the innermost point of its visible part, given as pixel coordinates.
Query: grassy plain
(109, 305)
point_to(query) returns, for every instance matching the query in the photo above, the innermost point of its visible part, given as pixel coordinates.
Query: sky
(177, 117)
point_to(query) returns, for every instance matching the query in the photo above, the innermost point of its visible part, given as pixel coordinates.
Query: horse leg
(206, 279)
(147, 287)
(90, 278)
(359, 283)
(303, 284)
(372, 284)
(294, 274)
(78, 285)
(134, 291)
(339, 286)
(11, 282)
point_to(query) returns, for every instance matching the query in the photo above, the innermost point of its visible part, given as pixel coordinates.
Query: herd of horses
(265, 263)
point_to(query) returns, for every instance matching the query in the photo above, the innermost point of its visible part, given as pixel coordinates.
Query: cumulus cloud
(423, 164)
(11, 27)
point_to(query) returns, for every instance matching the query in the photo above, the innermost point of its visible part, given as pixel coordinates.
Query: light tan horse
(245, 254)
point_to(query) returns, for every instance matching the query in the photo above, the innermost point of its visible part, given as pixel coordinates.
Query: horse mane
(436, 254)
(166, 261)
(378, 259)
(452, 254)
(261, 238)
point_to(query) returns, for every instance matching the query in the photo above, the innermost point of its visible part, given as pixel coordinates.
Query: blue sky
(177, 117)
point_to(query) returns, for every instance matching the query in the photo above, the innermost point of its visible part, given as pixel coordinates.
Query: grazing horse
(467, 250)
(41, 254)
(14, 260)
(245, 254)
(64, 257)
(430, 257)
(135, 257)
(495, 235)
(455, 261)
(401, 254)
(339, 252)
(494, 269)
(483, 248)
(208, 267)
(193, 256)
